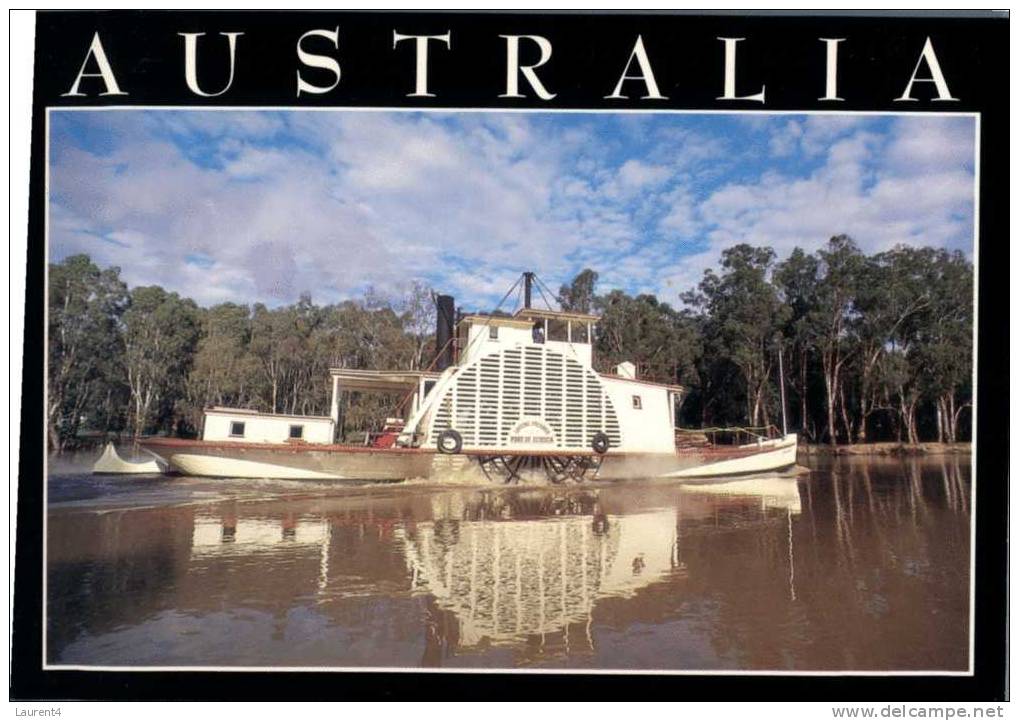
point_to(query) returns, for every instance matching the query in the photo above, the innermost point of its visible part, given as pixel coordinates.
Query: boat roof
(669, 386)
(352, 379)
(525, 317)
(503, 321)
(226, 411)
(534, 313)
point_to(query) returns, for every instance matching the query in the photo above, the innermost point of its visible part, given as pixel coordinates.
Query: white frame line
(46, 666)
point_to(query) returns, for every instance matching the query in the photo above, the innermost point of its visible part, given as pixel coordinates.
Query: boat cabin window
(578, 333)
(558, 329)
(428, 387)
(493, 332)
(297, 431)
(637, 405)
(236, 429)
(538, 332)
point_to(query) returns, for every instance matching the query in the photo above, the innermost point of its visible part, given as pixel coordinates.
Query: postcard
(409, 354)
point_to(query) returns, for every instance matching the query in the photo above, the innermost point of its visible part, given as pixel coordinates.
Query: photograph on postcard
(633, 391)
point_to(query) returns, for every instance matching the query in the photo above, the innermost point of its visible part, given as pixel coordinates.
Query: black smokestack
(528, 280)
(445, 318)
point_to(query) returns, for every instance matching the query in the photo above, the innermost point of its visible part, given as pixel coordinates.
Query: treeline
(873, 347)
(145, 360)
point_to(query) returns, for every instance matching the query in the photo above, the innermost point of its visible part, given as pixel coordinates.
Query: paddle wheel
(552, 468)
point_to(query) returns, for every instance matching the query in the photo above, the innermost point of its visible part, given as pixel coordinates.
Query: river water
(861, 564)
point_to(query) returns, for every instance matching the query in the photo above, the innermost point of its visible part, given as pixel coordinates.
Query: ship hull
(292, 462)
(705, 463)
(337, 462)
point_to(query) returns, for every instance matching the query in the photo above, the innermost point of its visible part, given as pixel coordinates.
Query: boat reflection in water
(506, 580)
(854, 567)
(510, 581)
(233, 535)
(507, 567)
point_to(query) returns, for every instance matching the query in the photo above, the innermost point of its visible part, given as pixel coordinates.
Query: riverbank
(888, 449)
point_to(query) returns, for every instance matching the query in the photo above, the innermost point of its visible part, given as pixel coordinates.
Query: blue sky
(249, 206)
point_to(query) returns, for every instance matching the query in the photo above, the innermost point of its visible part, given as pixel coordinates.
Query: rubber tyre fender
(600, 443)
(450, 442)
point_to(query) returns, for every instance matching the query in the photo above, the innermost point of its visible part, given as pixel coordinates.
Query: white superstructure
(246, 426)
(527, 382)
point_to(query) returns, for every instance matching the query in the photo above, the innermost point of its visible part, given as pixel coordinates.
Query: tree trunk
(107, 413)
(803, 389)
(758, 393)
(908, 411)
(137, 415)
(829, 391)
(751, 410)
(950, 417)
(845, 415)
(55, 442)
(955, 417)
(865, 406)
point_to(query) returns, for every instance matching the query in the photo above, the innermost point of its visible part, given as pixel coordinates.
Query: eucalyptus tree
(85, 347)
(579, 295)
(840, 266)
(797, 279)
(223, 371)
(744, 313)
(308, 369)
(894, 289)
(281, 343)
(369, 334)
(659, 340)
(268, 330)
(945, 339)
(417, 312)
(161, 331)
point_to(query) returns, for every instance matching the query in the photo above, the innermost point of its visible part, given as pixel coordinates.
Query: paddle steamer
(510, 396)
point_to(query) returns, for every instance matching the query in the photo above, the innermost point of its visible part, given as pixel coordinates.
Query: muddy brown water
(862, 564)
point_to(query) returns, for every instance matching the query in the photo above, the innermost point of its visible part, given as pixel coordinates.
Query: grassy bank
(888, 449)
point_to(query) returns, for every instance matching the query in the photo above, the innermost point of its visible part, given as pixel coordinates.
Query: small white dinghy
(111, 462)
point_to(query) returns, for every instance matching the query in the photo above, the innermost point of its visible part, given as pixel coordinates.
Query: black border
(977, 45)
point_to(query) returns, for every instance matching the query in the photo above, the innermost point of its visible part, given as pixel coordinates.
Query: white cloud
(249, 206)
(913, 185)
(638, 174)
(786, 140)
(812, 134)
(683, 215)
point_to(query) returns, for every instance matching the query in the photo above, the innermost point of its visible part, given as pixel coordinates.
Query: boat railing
(726, 436)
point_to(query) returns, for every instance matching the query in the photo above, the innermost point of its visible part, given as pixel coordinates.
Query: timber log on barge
(514, 397)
